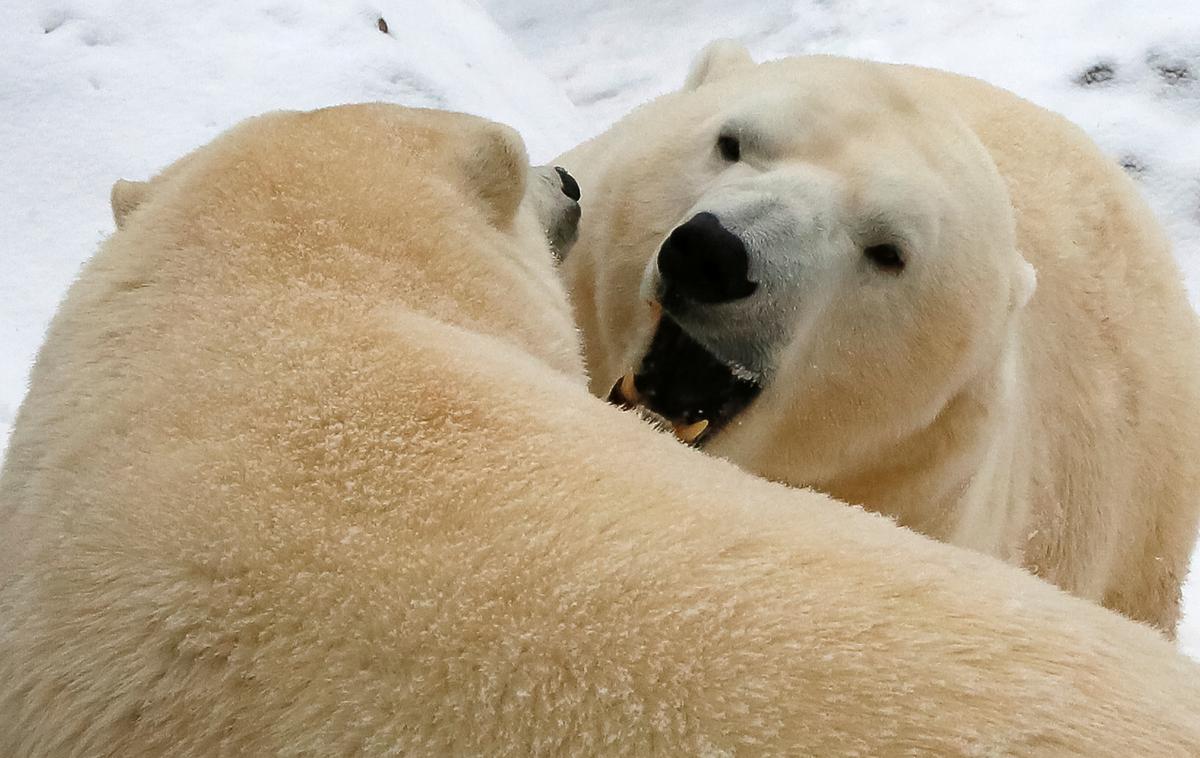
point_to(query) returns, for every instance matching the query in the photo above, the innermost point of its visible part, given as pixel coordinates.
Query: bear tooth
(624, 392)
(689, 433)
(629, 391)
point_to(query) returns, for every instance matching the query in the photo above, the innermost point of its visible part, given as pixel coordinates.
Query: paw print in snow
(1097, 74)
(1177, 70)
(1133, 165)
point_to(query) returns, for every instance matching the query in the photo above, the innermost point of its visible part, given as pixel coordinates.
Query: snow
(94, 90)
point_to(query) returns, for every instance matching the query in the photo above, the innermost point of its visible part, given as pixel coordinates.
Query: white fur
(1029, 385)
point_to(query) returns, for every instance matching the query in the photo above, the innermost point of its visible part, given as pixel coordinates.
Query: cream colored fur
(1059, 432)
(307, 467)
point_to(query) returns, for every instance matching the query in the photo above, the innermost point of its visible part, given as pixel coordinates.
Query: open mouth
(681, 381)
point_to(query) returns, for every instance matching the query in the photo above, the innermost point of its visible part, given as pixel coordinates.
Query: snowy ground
(93, 90)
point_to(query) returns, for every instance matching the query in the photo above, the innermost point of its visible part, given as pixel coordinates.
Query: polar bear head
(803, 249)
(470, 230)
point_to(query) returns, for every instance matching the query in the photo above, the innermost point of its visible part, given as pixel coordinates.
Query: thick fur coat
(308, 467)
(1025, 382)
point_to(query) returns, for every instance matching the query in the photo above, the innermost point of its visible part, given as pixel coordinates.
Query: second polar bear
(911, 290)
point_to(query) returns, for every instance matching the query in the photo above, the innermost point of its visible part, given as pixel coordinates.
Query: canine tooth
(629, 389)
(614, 394)
(624, 392)
(689, 433)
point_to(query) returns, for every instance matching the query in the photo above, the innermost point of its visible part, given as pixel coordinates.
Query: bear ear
(716, 61)
(495, 169)
(126, 196)
(1025, 284)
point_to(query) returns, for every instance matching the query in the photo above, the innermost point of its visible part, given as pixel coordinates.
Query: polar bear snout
(701, 261)
(555, 195)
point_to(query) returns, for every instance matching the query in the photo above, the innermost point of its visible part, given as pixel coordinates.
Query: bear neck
(963, 478)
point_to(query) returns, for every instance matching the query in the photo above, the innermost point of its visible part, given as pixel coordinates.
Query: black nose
(570, 187)
(704, 262)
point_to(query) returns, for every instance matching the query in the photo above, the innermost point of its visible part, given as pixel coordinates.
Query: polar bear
(913, 291)
(308, 466)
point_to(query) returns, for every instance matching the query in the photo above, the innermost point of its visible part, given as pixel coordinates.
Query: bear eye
(729, 147)
(886, 256)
